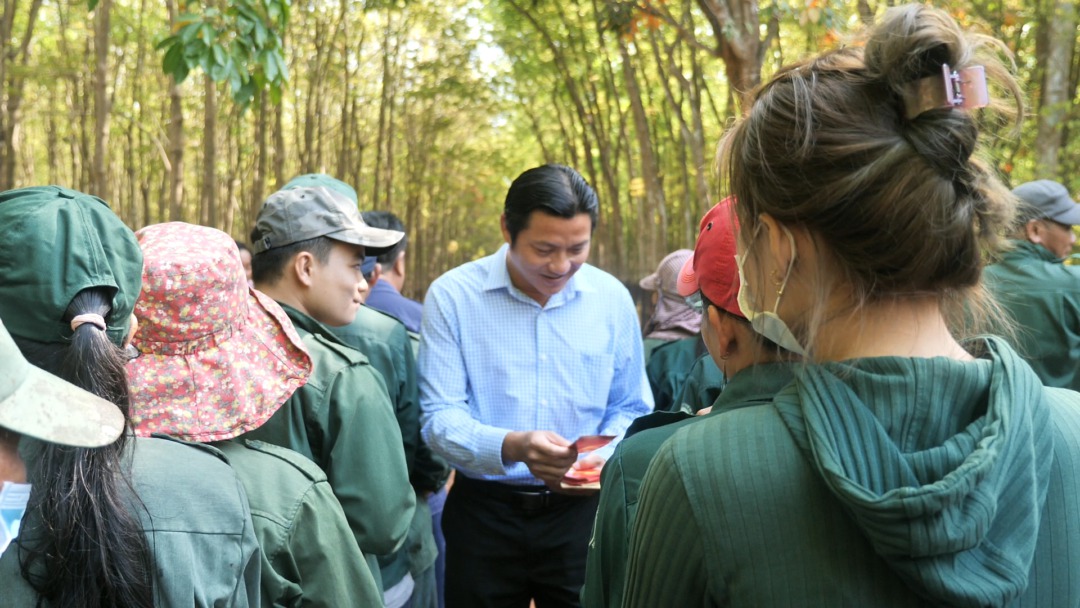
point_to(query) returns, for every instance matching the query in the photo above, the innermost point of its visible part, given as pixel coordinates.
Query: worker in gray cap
(1040, 293)
(309, 244)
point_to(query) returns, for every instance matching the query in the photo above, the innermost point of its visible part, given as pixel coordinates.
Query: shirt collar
(308, 323)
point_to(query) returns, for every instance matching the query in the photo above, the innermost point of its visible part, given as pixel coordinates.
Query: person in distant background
(1040, 293)
(385, 293)
(673, 344)
(671, 318)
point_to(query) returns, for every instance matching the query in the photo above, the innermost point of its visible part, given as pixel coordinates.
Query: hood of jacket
(943, 464)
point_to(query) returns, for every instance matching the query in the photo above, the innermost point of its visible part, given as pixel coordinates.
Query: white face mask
(769, 324)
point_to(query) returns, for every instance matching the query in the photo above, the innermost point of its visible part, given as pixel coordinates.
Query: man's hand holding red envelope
(585, 473)
(555, 461)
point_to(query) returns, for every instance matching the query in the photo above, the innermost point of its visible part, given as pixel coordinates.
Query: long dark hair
(88, 548)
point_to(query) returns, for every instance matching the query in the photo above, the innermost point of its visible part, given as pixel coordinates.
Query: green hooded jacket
(874, 482)
(622, 474)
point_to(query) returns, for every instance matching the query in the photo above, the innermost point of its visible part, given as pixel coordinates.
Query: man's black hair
(387, 221)
(268, 266)
(555, 190)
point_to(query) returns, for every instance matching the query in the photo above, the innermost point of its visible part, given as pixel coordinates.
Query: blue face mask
(766, 323)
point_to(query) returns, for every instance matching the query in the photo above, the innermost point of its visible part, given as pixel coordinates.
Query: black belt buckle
(533, 501)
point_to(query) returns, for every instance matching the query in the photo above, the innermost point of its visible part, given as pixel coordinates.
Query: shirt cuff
(489, 443)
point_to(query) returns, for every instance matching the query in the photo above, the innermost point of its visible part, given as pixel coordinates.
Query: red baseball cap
(712, 268)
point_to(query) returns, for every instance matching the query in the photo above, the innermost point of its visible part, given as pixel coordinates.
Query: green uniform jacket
(309, 557)
(343, 421)
(668, 367)
(386, 343)
(701, 387)
(195, 515)
(1043, 296)
(651, 344)
(886, 481)
(622, 474)
(388, 347)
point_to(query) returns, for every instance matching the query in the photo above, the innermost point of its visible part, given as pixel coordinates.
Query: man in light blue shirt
(522, 352)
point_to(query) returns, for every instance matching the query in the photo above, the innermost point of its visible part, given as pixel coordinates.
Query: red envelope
(588, 443)
(586, 478)
(582, 475)
(582, 478)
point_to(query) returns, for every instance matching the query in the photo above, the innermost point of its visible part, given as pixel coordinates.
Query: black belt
(525, 498)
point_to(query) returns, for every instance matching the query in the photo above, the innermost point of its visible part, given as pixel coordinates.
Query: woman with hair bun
(111, 519)
(911, 461)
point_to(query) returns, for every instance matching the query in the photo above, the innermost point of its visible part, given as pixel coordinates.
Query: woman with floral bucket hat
(215, 360)
(111, 519)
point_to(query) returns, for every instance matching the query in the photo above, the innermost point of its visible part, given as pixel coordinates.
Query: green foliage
(241, 45)
(474, 94)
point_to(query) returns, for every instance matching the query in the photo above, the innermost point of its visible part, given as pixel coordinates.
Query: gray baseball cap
(298, 214)
(311, 180)
(36, 403)
(1051, 199)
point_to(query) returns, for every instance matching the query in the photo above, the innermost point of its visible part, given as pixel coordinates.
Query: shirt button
(543, 357)
(543, 402)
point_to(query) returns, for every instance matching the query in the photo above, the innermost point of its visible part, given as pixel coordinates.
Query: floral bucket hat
(216, 359)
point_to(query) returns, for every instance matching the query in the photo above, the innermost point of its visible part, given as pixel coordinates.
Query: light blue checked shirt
(492, 360)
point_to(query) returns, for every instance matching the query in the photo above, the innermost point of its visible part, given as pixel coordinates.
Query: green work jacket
(668, 367)
(651, 344)
(388, 347)
(309, 557)
(386, 343)
(1042, 295)
(195, 515)
(342, 420)
(621, 478)
(701, 387)
(883, 481)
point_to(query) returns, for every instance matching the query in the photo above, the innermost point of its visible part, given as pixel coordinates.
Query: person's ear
(399, 265)
(724, 329)
(131, 332)
(303, 268)
(505, 230)
(1033, 230)
(779, 244)
(376, 272)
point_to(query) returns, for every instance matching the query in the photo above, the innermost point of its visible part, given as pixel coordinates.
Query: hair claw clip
(965, 89)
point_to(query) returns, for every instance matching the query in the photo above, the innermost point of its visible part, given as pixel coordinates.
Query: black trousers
(506, 545)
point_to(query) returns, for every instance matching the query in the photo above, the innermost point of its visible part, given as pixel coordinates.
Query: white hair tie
(96, 320)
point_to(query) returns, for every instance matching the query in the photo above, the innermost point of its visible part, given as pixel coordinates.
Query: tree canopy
(196, 111)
